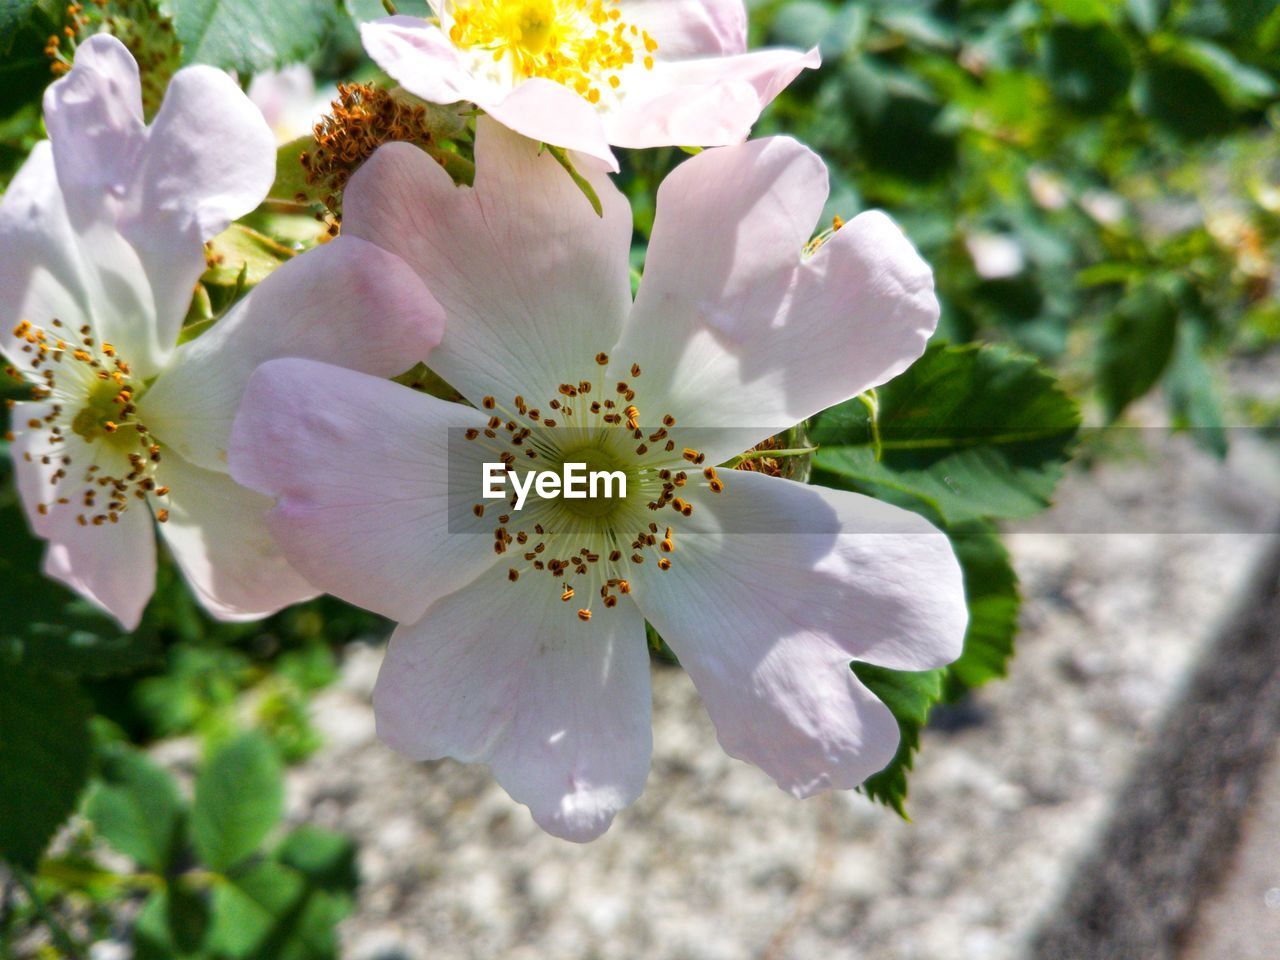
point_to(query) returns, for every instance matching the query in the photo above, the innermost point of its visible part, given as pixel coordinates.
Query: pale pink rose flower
(584, 74)
(101, 244)
(767, 589)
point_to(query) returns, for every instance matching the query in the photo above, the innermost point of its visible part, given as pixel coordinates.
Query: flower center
(590, 546)
(583, 44)
(91, 395)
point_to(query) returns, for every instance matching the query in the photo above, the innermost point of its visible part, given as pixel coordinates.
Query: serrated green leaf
(239, 800)
(992, 596)
(974, 432)
(45, 750)
(909, 697)
(249, 35)
(136, 808)
(1137, 344)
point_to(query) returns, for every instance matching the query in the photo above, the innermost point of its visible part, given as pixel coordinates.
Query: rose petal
(114, 564)
(774, 587)
(362, 471)
(733, 327)
(532, 282)
(706, 102)
(690, 28)
(210, 159)
(347, 302)
(217, 532)
(505, 674)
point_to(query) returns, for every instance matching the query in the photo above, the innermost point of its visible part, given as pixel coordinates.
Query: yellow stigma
(583, 44)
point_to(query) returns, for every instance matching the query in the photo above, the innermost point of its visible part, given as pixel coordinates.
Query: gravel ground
(715, 863)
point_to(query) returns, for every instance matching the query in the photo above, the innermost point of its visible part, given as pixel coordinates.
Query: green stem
(390, 7)
(769, 455)
(69, 948)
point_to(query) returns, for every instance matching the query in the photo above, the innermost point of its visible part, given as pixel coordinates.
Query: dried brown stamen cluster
(363, 118)
(91, 394)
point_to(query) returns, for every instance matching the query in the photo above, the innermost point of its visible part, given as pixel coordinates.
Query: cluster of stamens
(92, 394)
(602, 541)
(363, 118)
(582, 44)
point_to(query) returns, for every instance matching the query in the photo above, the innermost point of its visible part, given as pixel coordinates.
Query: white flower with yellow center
(522, 637)
(102, 237)
(584, 74)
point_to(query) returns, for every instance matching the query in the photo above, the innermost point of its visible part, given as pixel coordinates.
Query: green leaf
(271, 912)
(991, 594)
(325, 858)
(1088, 67)
(239, 799)
(973, 432)
(136, 808)
(44, 758)
(174, 923)
(1137, 344)
(249, 35)
(1248, 15)
(1192, 394)
(909, 697)
(248, 909)
(1181, 99)
(363, 11)
(291, 176)
(240, 248)
(14, 14)
(1240, 85)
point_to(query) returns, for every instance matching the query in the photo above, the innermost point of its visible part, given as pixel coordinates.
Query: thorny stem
(68, 947)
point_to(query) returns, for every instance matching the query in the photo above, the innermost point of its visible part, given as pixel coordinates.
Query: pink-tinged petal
(707, 102)
(690, 28)
(347, 302)
(549, 112)
(94, 118)
(361, 469)
(217, 532)
(39, 485)
(420, 57)
(735, 327)
(775, 587)
(505, 674)
(532, 282)
(211, 158)
(114, 564)
(42, 272)
(51, 269)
